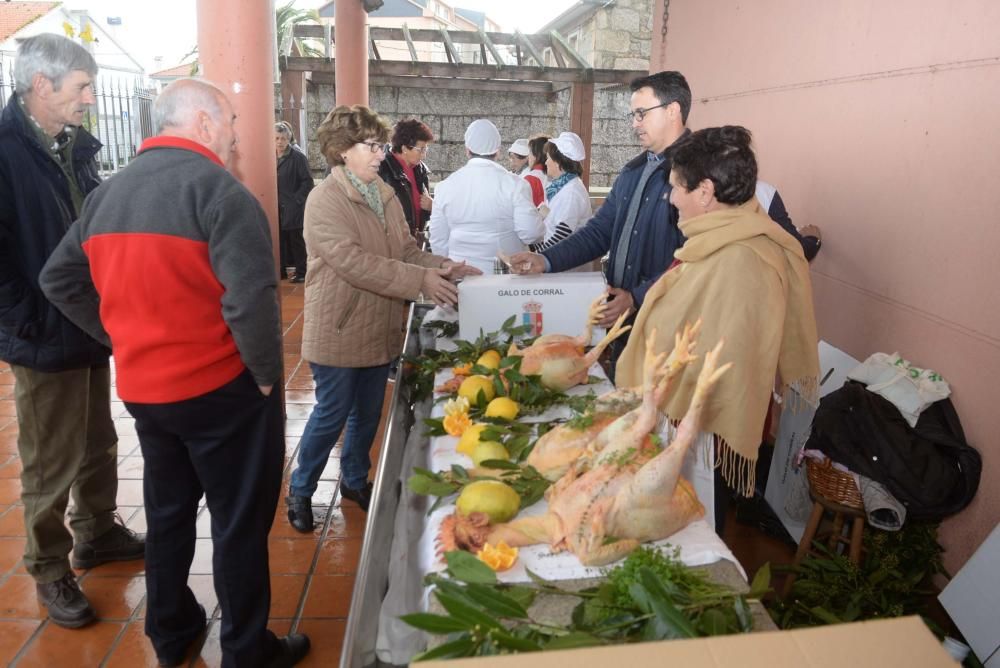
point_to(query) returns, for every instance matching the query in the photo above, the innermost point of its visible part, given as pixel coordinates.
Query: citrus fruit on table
(472, 385)
(489, 450)
(470, 438)
(490, 359)
(504, 408)
(492, 497)
(499, 557)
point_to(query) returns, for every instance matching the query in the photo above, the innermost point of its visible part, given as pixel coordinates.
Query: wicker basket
(833, 484)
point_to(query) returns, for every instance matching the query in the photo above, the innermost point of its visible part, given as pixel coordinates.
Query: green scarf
(370, 192)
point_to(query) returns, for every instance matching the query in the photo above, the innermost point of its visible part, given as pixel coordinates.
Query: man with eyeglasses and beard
(636, 226)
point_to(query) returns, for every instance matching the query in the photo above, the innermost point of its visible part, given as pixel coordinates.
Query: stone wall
(449, 112)
(618, 36)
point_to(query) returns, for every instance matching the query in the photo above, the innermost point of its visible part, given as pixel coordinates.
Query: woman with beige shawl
(748, 281)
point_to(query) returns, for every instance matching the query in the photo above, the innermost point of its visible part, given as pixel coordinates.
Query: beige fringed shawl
(747, 279)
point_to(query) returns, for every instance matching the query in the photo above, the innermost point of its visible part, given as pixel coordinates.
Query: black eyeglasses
(373, 146)
(640, 114)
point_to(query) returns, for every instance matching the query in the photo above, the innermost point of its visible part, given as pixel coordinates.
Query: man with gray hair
(171, 264)
(66, 436)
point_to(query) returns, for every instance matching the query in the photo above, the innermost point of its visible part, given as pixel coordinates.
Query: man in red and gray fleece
(170, 264)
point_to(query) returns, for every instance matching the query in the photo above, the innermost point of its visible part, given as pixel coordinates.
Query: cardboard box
(971, 599)
(876, 644)
(793, 431)
(551, 303)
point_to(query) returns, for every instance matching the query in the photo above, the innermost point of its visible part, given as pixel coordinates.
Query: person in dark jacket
(175, 234)
(294, 184)
(808, 236)
(66, 436)
(629, 226)
(405, 171)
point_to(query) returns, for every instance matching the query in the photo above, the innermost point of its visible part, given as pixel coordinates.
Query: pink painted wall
(879, 122)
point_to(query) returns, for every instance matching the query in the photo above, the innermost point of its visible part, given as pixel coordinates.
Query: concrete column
(236, 52)
(350, 39)
(581, 121)
(293, 91)
(658, 49)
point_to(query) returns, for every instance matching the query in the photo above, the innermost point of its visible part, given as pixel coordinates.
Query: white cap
(520, 147)
(482, 137)
(570, 145)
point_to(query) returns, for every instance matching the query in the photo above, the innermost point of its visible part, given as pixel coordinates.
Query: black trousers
(229, 445)
(292, 246)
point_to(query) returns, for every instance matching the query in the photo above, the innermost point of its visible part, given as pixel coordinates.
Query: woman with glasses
(406, 172)
(363, 266)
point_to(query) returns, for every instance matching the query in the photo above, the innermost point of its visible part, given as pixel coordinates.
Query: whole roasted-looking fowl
(559, 449)
(630, 494)
(560, 360)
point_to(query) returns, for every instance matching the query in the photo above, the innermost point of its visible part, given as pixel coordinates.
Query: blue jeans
(343, 395)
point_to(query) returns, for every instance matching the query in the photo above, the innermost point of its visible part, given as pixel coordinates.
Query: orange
(499, 557)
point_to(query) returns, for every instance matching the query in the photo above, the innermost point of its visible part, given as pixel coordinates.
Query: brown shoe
(116, 544)
(67, 605)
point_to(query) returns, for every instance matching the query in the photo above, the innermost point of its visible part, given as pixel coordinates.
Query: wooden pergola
(528, 73)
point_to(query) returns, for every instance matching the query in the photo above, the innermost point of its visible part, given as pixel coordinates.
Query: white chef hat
(482, 137)
(520, 147)
(570, 145)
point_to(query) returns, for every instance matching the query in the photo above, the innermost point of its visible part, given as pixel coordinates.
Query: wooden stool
(832, 491)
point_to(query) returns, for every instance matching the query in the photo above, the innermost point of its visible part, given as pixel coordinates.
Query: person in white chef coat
(568, 200)
(517, 157)
(483, 210)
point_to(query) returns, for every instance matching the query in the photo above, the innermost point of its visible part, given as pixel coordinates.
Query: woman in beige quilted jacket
(362, 267)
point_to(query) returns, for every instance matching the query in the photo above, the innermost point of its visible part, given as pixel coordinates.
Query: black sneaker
(291, 649)
(300, 514)
(67, 604)
(175, 660)
(116, 544)
(362, 496)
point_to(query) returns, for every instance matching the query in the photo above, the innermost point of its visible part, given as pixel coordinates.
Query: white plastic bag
(910, 388)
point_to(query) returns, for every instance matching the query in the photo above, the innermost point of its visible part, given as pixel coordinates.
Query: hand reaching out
(619, 301)
(438, 288)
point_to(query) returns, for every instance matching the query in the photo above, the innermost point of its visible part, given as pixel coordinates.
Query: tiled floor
(312, 576)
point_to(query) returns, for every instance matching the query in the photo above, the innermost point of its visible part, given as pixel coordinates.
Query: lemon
(490, 359)
(492, 497)
(503, 408)
(471, 386)
(488, 450)
(470, 438)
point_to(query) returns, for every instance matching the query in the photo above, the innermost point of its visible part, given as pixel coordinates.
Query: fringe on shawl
(806, 393)
(739, 472)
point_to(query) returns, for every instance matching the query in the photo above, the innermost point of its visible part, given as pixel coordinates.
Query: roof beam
(530, 48)
(442, 83)
(427, 35)
(570, 51)
(409, 44)
(470, 71)
(453, 55)
(493, 49)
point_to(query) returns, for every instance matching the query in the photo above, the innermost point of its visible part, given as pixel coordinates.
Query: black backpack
(930, 468)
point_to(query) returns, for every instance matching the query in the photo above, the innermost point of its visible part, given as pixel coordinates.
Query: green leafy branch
(636, 603)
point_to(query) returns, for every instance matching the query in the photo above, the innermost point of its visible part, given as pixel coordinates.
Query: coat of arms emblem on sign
(532, 317)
